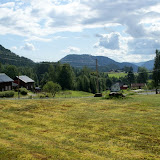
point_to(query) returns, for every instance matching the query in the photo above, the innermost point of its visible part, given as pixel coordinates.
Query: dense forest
(70, 78)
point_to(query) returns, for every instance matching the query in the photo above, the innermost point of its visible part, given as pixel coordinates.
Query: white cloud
(45, 17)
(71, 50)
(34, 38)
(7, 5)
(36, 19)
(28, 47)
(109, 41)
(14, 48)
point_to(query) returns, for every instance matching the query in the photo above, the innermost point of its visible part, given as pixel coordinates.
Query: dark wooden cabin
(5, 82)
(25, 81)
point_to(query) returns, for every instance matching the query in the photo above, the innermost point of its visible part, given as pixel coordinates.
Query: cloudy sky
(123, 30)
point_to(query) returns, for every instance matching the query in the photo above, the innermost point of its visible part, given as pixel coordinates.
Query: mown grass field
(80, 128)
(117, 75)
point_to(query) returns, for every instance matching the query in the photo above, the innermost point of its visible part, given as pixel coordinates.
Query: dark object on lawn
(98, 95)
(116, 94)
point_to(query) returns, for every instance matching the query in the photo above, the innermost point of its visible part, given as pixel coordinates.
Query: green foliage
(7, 94)
(23, 91)
(11, 71)
(66, 77)
(8, 57)
(156, 69)
(142, 75)
(43, 95)
(52, 88)
(131, 77)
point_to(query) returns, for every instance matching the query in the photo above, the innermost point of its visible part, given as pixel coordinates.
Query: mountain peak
(104, 63)
(8, 57)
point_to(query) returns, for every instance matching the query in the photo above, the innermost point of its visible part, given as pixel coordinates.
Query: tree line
(81, 79)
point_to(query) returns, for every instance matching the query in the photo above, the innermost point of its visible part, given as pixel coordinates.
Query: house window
(9, 87)
(6, 88)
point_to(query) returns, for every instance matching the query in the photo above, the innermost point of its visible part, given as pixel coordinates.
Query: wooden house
(5, 82)
(138, 85)
(24, 81)
(124, 87)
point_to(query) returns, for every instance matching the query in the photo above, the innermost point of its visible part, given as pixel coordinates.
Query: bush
(23, 91)
(43, 95)
(7, 94)
(52, 88)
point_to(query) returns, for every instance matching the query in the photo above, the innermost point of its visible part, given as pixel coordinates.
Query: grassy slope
(88, 129)
(117, 75)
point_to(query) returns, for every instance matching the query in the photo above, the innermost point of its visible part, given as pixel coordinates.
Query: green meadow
(117, 75)
(80, 128)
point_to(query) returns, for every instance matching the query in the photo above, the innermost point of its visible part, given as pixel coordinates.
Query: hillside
(149, 65)
(104, 63)
(8, 57)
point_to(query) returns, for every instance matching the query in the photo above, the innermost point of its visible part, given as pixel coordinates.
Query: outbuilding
(24, 81)
(5, 82)
(138, 85)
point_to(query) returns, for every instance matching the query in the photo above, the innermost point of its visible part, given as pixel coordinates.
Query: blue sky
(48, 30)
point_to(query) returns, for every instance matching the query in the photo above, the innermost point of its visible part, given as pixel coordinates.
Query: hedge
(6, 94)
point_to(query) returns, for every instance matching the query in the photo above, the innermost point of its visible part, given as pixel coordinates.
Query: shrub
(43, 95)
(7, 94)
(52, 88)
(23, 91)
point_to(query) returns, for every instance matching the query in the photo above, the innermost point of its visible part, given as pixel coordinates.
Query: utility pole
(97, 76)
(18, 86)
(98, 94)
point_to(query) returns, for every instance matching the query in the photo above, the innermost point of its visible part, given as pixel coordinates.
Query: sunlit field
(80, 128)
(117, 75)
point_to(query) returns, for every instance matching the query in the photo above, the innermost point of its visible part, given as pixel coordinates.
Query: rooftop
(5, 78)
(25, 79)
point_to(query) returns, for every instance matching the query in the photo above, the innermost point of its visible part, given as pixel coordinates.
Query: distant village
(23, 81)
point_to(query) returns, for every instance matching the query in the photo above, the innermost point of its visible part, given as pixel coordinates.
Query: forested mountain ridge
(78, 61)
(104, 63)
(8, 57)
(149, 64)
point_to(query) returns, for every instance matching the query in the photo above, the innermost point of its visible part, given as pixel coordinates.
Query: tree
(142, 75)
(52, 74)
(11, 71)
(108, 83)
(156, 70)
(131, 77)
(52, 88)
(66, 77)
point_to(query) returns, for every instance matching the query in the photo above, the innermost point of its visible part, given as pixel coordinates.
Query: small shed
(24, 81)
(138, 85)
(115, 87)
(124, 87)
(5, 82)
(37, 89)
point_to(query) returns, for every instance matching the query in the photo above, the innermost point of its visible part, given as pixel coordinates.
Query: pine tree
(142, 75)
(66, 77)
(156, 70)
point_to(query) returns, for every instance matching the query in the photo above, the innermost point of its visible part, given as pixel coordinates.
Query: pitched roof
(5, 78)
(25, 79)
(138, 85)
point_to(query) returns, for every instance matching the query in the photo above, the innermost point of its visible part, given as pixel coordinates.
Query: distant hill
(139, 64)
(8, 57)
(149, 64)
(104, 63)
